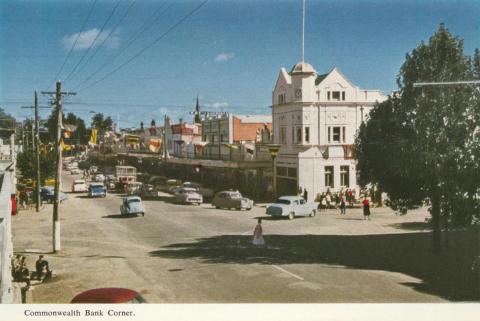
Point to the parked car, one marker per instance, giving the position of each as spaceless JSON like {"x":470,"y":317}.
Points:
{"x":291,"y":206}
{"x":232,"y":199}
{"x":79,"y":185}
{"x":148,"y":191}
{"x":99,"y":177}
{"x":132,"y":205}
{"x":188,"y":195}
{"x":207,"y":193}
{"x":110,"y":182}
{"x":133,"y":188}
{"x":74,"y":171}
{"x":108,"y":295}
{"x":47,"y":193}
{"x":97,"y":190}
{"x":171,"y":185}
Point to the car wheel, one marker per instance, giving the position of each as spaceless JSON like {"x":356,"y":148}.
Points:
{"x":217,"y":207}
{"x":312,"y":214}
{"x":143,"y":213}
{"x":249,"y":209}
{"x":291,"y":216}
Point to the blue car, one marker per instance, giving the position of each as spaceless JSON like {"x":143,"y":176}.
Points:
{"x":132,"y":205}
{"x":47,"y":194}
{"x":97,"y":190}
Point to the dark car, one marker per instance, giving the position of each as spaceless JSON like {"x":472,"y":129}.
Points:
{"x":109,"y":295}
{"x":47,"y":194}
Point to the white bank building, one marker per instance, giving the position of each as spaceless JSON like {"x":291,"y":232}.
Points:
{"x":315,"y":119}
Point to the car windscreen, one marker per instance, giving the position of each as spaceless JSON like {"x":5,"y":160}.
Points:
{"x":282,"y":201}
{"x":135,"y":200}
{"x":235,"y":195}
{"x":97,"y":188}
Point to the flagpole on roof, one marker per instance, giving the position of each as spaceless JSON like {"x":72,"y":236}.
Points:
{"x":303,"y":30}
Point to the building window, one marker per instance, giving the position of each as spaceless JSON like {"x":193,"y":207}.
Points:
{"x":292,"y":172}
{"x":293,"y":135}
{"x":307,"y":135}
{"x":299,"y":135}
{"x":221,"y":137}
{"x":213,"y":139}
{"x":335,"y":95}
{"x":281,"y":171}
{"x":281,"y":99}
{"x":345,"y":176}
{"x":204,"y":138}
{"x":283,"y":135}
{"x":328,"y":95}
{"x":336,"y":134}
{"x":343,"y":95}
{"x":329,"y":176}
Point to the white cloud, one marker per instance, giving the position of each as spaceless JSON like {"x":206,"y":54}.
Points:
{"x":86,"y":39}
{"x":163,"y":111}
{"x":217,"y":105}
{"x":224,"y":56}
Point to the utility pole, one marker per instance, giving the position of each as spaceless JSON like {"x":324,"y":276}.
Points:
{"x":165,"y":138}
{"x":37,"y":147}
{"x":58,"y":174}
{"x":33,"y":137}
{"x":37,"y":152}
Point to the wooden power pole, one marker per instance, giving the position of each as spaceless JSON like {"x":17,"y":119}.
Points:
{"x":58,"y":173}
{"x":36,"y":150}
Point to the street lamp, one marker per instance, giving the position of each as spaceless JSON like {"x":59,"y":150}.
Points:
{"x":273,"y":149}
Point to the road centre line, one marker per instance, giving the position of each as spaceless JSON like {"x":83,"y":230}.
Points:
{"x":290,"y":273}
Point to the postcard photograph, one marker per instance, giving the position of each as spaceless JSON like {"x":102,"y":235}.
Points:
{"x":239,"y":152}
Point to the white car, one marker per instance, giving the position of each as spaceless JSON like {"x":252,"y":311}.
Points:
{"x":99,"y":178}
{"x":79,"y":186}
{"x":291,"y":206}
{"x":133,"y":188}
{"x":74,"y":171}
{"x":188,"y":195}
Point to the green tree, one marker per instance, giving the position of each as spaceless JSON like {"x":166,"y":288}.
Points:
{"x":102,"y":124}
{"x":26,"y":164}
{"x":7,"y":124}
{"x":422,"y":144}
{"x":80,"y":135}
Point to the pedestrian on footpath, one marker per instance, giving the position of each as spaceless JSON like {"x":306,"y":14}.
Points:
{"x":305,"y":195}
{"x":366,"y":209}
{"x":258,"y":234}
{"x":343,"y":205}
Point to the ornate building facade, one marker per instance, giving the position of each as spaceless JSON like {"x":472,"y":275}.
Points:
{"x":315,"y":119}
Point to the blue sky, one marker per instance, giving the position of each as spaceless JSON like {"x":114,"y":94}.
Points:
{"x":228,"y":52}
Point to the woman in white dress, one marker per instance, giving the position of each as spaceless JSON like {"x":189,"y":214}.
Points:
{"x":258,"y":234}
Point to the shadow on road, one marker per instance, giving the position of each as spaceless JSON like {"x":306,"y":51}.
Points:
{"x":448,"y":274}
{"x":83,"y":196}
{"x":413,"y":226}
{"x":278,"y":218}
{"x":120,"y":216}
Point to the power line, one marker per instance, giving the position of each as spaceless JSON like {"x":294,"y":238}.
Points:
{"x":94,"y":41}
{"x":108,"y":36}
{"x":145,"y":26}
{"x":73,"y":45}
{"x":148,"y":46}
{"x":447,"y":83}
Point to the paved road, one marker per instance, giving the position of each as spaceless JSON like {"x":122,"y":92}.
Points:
{"x":197,"y":254}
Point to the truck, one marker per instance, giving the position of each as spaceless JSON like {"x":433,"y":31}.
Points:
{"x":125,"y":175}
